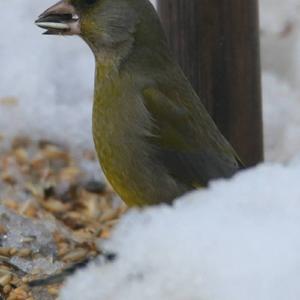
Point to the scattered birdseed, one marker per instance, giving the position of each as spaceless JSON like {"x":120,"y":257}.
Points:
{"x":51,"y":216}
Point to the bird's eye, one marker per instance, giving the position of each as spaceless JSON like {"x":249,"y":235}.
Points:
{"x":90,"y":2}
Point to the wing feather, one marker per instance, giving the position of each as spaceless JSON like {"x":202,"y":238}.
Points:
{"x":187,"y":142}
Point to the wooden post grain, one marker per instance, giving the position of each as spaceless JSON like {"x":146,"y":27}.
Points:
{"x":217,"y":45}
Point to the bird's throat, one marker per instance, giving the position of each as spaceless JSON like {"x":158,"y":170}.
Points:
{"x":109,"y":59}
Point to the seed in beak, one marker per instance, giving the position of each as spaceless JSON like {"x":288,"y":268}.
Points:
{"x":52,"y":25}
{"x":75,"y":17}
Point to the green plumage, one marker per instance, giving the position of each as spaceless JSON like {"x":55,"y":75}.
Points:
{"x":153,"y":136}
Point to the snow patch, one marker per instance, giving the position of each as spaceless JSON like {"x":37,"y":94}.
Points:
{"x":239,"y":240}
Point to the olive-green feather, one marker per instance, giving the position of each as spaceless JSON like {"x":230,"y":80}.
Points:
{"x":189,"y":152}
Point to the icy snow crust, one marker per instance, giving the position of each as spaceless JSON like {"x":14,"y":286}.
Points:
{"x":239,"y":240}
{"x":20,"y":228}
{"x":36,"y":235}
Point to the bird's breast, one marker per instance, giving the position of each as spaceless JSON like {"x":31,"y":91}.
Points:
{"x":120,"y":124}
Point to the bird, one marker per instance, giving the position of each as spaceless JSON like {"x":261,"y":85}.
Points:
{"x":153,"y":136}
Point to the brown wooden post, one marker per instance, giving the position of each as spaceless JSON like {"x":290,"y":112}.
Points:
{"x":217,"y":45}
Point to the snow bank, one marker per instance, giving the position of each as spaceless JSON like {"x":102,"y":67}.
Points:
{"x":239,"y":240}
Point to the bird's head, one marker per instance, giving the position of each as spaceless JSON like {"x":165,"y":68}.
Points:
{"x":101,"y":23}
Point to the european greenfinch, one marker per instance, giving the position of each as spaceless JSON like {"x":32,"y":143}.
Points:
{"x":154,"y":138}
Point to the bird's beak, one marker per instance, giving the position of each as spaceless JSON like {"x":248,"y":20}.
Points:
{"x":60,"y":18}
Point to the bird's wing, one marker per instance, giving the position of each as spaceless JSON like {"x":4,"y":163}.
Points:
{"x":187,"y":143}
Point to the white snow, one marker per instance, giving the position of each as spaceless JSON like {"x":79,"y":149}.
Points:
{"x":281,"y":119}
{"x":50,"y":77}
{"x":239,"y":240}
{"x":276,"y":14}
